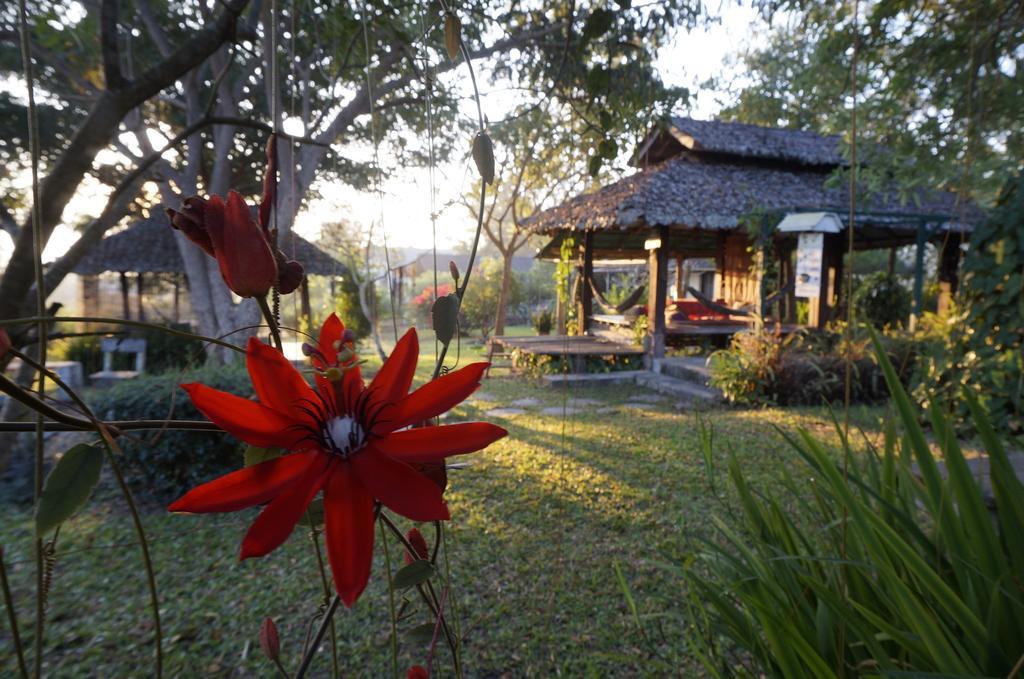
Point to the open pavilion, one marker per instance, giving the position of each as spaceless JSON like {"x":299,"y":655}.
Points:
{"x":718,"y":191}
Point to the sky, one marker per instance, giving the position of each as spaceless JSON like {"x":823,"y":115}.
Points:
{"x":403,"y":204}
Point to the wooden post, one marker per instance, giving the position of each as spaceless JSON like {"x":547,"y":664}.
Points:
{"x":586,"y":292}
{"x":949,"y":263}
{"x":91,"y":295}
{"x":139,"y":284}
{"x":922,"y":240}
{"x":680,"y":290}
{"x":657,"y":284}
{"x":892,"y":260}
{"x":304,"y":299}
{"x":177,"y":298}
{"x":126,"y":310}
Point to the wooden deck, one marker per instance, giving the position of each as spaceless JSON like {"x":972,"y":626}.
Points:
{"x":567,"y":345}
{"x":695,"y":332}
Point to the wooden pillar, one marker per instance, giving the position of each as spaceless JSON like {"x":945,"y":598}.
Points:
{"x":892,"y":260}
{"x":586,"y":292}
{"x":90,"y":295}
{"x":680,"y":290}
{"x":657,"y":288}
{"x":177,"y":298}
{"x":304,"y":299}
{"x":126,"y":310}
{"x":720,"y":268}
{"x":823,"y":305}
{"x":922,"y":240}
{"x":139,"y":286}
{"x":560,"y":311}
{"x":949,"y":263}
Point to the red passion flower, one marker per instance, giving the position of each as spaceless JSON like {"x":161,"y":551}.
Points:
{"x":356,"y":443}
{"x":242,"y":246}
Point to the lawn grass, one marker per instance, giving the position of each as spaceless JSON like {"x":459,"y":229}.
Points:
{"x":539,"y":521}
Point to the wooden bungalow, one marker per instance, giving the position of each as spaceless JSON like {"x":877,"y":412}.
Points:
{"x":148,"y":246}
{"x":704,"y":187}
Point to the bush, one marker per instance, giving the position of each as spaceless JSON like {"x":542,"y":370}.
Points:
{"x":163,"y":465}
{"x":542,"y":321}
{"x":163,"y":351}
{"x":881,"y":301}
{"x":888,"y":569}
{"x":761,"y":367}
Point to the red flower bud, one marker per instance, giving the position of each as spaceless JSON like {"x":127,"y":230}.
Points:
{"x":270,"y":642}
{"x":415,"y":538}
{"x":417,"y":672}
{"x":454,"y":270}
{"x":5,"y":342}
{"x":229,"y":233}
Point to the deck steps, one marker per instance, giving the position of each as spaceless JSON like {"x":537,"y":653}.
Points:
{"x":678,"y":388}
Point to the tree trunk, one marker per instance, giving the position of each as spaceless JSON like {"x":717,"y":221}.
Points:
{"x":506,"y":287}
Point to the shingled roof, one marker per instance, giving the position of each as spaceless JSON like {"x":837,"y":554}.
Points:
{"x":755,"y":141}
{"x":720,"y":175}
{"x":148,"y":246}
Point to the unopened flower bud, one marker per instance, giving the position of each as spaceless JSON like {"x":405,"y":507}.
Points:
{"x":417,"y":672}
{"x":270,"y":642}
{"x":454,"y":270}
{"x":415,"y":538}
{"x":333,"y":374}
{"x":5,"y":342}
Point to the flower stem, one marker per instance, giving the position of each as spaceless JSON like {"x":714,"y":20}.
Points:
{"x":271,"y":319}
{"x":391,"y":602}
{"x":12,"y":618}
{"x":318,"y":637}
{"x":327,"y":592}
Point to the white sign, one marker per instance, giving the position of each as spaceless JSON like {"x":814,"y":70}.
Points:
{"x":810,"y":247}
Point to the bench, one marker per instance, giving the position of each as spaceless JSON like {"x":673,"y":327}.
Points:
{"x":114,"y":345}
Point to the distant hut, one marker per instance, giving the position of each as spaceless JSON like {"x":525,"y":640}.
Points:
{"x":704,"y":186}
{"x":148,"y":246}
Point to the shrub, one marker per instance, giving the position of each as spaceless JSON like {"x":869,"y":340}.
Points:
{"x":888,"y":570}
{"x":761,"y":367}
{"x":163,"y":351}
{"x":542,"y":321}
{"x":162,"y":465}
{"x":881,"y":301}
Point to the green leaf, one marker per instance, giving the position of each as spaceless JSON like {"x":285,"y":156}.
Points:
{"x":598,"y":23}
{"x":314,"y":515}
{"x":594,"y":167}
{"x":413,"y":574}
{"x":421,"y":634}
{"x":68,"y":486}
{"x":608,"y":149}
{"x":256,"y":455}
{"x":598,"y":80}
{"x":483,"y":156}
{"x":606,"y":120}
{"x":445,"y":315}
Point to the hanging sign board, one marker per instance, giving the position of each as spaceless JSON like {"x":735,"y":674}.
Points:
{"x":809,"y":249}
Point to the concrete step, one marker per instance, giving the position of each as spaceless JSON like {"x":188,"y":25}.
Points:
{"x":691,"y":368}
{"x":594,"y":379}
{"x":672,"y":386}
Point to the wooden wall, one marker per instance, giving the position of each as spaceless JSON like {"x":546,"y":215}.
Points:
{"x":739,"y":286}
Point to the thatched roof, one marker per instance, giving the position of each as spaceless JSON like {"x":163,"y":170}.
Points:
{"x":741,"y":141}
{"x":730,"y":171}
{"x":149,"y":246}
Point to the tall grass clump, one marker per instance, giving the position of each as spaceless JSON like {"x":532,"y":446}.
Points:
{"x":870,"y":565}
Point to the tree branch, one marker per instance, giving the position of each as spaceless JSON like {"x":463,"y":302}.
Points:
{"x":112,"y":75}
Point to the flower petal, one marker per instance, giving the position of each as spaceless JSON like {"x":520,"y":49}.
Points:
{"x":276,"y":521}
{"x":248,"y":420}
{"x":276,"y":381}
{"x":392,"y":381}
{"x":244,"y":488}
{"x":433,"y":444}
{"x":399,"y":486}
{"x":433,"y":398}
{"x":330,"y":332}
{"x":348,"y":530}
